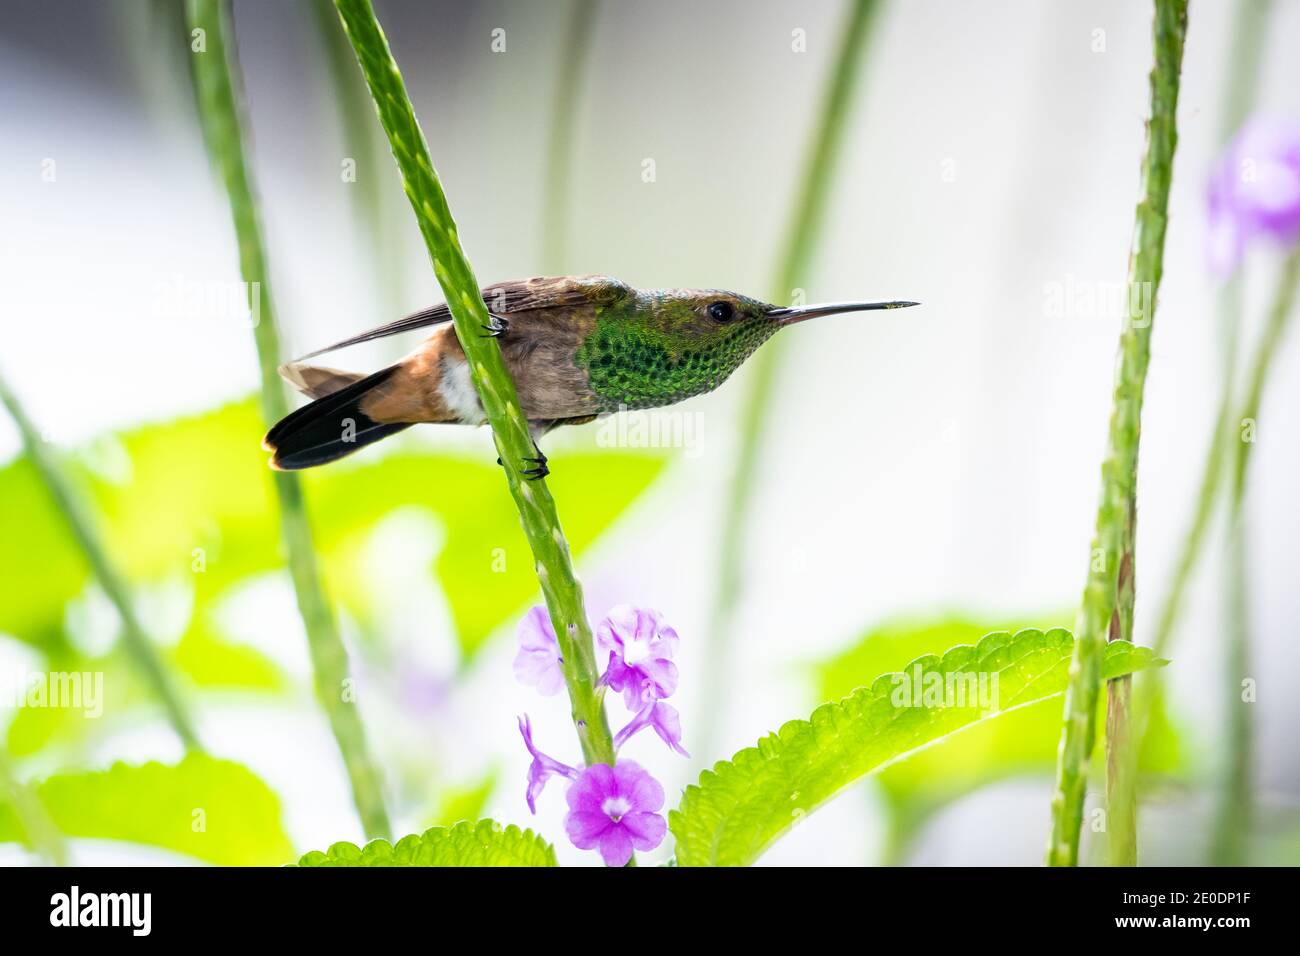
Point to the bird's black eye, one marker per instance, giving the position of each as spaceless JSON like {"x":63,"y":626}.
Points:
{"x":721,"y":312}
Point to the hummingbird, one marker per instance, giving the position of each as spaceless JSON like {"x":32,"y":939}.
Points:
{"x":578,"y":347}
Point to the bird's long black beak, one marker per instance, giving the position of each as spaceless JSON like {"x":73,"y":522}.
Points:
{"x":793,"y":314}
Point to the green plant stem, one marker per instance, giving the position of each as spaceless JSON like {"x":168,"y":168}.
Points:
{"x":1121,"y":749}
{"x":1235,"y":810}
{"x":496,"y":390}
{"x":1112,"y":545}
{"x":216,"y":73}
{"x":1242,"y":80}
{"x":38,"y":829}
{"x":1121,"y":774}
{"x":1229,"y":309}
{"x":1250,"y":24}
{"x":140,"y":649}
{"x":352,"y":104}
{"x":800,"y":244}
{"x":574,"y":54}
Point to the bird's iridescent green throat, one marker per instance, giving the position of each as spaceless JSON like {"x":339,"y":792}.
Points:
{"x":656,"y":348}
{"x":651,"y":348}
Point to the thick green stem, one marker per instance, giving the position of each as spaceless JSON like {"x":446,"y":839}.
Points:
{"x":1113,"y":539}
{"x":496,"y":389}
{"x":1235,"y":811}
{"x":138,"y":646}
{"x":574,"y":53}
{"x":1121,"y":774}
{"x":216,"y":73}
{"x":1121,"y":750}
{"x":800,"y":244}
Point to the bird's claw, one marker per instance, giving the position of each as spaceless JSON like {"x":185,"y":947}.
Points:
{"x":496,"y":328}
{"x":541,"y":469}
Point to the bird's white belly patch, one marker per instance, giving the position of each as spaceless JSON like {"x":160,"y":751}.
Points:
{"x":458,"y":393}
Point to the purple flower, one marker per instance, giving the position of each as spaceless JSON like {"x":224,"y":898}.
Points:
{"x":538,"y":663}
{"x":542,"y":767}
{"x":663,"y":718}
{"x":614,"y":809}
{"x":640,"y":646}
{"x":1254,"y":191}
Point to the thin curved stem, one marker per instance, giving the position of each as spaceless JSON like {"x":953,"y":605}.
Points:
{"x":220,"y":98}
{"x":1235,"y":811}
{"x":139,"y":648}
{"x":574,"y":53}
{"x":800,"y":245}
{"x":39,"y":831}
{"x":1242,"y":80}
{"x":367,"y":189}
{"x":1250,"y":25}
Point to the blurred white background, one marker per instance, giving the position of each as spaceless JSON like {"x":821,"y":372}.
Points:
{"x":942,"y":457}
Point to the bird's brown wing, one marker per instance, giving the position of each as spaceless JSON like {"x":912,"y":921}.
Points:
{"x":548,"y":292}
{"x":416,"y":320}
{"x":524,"y":295}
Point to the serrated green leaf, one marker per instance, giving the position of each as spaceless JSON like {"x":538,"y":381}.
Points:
{"x":1021,"y":742}
{"x":741,"y":806}
{"x":212,"y":809}
{"x":891,"y":645}
{"x":484,"y":843}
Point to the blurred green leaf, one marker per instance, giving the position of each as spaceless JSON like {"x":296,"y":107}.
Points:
{"x":208,"y":808}
{"x":458,"y":804}
{"x":40,"y":565}
{"x":206,"y":659}
{"x":485,"y":567}
{"x":485,"y":843}
{"x":741,"y":806}
{"x":33,"y":728}
{"x":193,"y":497}
{"x":212,"y":663}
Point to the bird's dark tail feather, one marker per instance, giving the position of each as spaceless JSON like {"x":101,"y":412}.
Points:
{"x":328,"y":428}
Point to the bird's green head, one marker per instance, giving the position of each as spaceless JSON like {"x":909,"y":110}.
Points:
{"x":657,"y":347}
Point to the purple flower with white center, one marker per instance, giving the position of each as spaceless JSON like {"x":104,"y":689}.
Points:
{"x":615,"y":810}
{"x":663,"y":718}
{"x":538,"y":663}
{"x":640,"y":649}
{"x":612,"y":809}
{"x":542,"y":767}
{"x":1254,"y":191}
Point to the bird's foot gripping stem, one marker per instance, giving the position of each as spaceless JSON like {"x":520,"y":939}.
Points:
{"x":539,"y":470}
{"x":496,"y":327}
